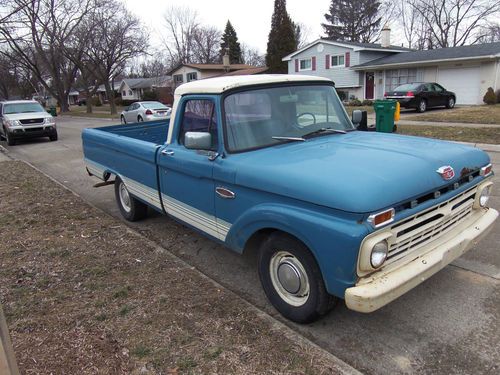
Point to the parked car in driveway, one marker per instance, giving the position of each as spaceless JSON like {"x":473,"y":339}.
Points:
{"x":25,"y":119}
{"x":145,"y":111}
{"x":422,"y":96}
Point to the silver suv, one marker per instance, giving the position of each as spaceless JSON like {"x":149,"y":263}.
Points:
{"x":25,"y":119}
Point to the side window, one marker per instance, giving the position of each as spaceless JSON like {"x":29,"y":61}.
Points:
{"x":199,"y":116}
{"x":438,"y":88}
{"x":428,"y":87}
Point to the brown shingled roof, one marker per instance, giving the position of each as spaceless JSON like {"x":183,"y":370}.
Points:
{"x":246,"y":72}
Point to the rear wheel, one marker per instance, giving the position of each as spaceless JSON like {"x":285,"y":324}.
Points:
{"x":131,"y":208}
{"x":450,"y":103}
{"x":292,"y":279}
{"x":422,"y":106}
{"x":140,"y":119}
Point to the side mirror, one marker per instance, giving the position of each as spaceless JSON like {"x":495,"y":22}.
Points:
{"x":357,"y":117}
{"x":198,"y":140}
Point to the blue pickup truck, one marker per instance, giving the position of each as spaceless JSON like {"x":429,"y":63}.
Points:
{"x":274,"y":164}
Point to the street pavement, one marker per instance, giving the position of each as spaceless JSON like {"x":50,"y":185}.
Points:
{"x":448,"y":324}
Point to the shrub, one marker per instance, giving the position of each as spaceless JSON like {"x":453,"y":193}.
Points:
{"x":119,"y":101}
{"x":95,"y":101}
{"x":127,"y":102}
{"x":150,"y":95}
{"x":490,"y":97}
{"x":355,"y":102}
{"x":368,"y":102}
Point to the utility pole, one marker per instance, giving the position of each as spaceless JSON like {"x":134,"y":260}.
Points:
{"x":8,"y":365}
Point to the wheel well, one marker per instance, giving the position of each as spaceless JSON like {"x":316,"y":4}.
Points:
{"x":253,"y":243}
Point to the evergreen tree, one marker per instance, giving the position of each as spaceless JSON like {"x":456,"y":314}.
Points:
{"x":353,"y":20}
{"x":281,"y":40}
{"x":231,"y":45}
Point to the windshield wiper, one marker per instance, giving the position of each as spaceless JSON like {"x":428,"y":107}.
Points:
{"x":324,"y":130}
{"x":289,"y":138}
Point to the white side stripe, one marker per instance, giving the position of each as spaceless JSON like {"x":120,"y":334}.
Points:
{"x":143,"y":192}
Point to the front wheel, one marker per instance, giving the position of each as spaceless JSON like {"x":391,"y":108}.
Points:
{"x":53,"y":137}
{"x":122,"y":120}
{"x":292,"y":279}
{"x":450,"y":103}
{"x":422,"y":106}
{"x":10,"y":141}
{"x":131,"y":208}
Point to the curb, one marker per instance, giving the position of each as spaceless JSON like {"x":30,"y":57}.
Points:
{"x":276,"y":325}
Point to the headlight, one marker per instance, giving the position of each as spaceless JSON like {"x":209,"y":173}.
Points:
{"x":12,"y":123}
{"x":379,"y":254}
{"x":485,"y":196}
{"x":50,"y":121}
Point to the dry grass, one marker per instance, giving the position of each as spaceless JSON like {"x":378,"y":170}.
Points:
{"x":481,"y":114}
{"x":103,"y":111}
{"x":85,"y":295}
{"x":349,"y":109}
{"x":474,"y":135}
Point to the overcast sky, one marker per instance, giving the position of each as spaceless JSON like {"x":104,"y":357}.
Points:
{"x":250,"y":18}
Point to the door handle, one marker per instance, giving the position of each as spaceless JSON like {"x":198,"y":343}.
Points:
{"x":167,"y":152}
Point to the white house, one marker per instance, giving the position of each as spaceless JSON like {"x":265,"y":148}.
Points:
{"x":134,"y":88}
{"x":367,"y":70}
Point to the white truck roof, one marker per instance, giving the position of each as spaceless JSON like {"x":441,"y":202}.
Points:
{"x":220,"y":84}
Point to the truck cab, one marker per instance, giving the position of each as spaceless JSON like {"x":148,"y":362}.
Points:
{"x":273,"y":164}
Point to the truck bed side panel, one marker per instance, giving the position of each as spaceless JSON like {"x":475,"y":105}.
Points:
{"x":132,"y":159}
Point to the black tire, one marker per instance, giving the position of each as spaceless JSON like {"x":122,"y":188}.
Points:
{"x":122,"y":120}
{"x":136,"y":210}
{"x":53,"y":137}
{"x":422,"y":106}
{"x":8,"y":138}
{"x":140,"y":119}
{"x":450,"y":103}
{"x":308,"y":306}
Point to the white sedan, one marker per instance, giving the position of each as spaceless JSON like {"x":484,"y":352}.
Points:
{"x":145,"y":111}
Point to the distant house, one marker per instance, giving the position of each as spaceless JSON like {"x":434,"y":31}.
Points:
{"x":134,"y":88}
{"x":367,"y":70}
{"x":191,"y":72}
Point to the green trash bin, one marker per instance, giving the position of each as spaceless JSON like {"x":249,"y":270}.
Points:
{"x":384,"y":114}
{"x":53,"y":111}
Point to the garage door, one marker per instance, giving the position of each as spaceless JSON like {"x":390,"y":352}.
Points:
{"x":464,"y":82}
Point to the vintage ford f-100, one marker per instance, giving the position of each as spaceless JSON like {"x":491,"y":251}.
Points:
{"x":272,"y":163}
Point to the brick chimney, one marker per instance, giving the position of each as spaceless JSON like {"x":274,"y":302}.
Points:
{"x":385,"y":36}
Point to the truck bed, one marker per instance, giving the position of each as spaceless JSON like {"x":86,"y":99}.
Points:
{"x":129,"y":152}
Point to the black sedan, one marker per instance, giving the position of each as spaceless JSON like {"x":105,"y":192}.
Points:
{"x":422,"y":96}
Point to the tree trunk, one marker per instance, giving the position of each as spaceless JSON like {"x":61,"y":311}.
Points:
{"x":63,"y":102}
{"x":111,"y":97}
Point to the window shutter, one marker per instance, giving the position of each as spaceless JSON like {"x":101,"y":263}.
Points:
{"x":296,"y":65}
{"x":327,"y":62}
{"x":313,"y":62}
{"x":347,"y":59}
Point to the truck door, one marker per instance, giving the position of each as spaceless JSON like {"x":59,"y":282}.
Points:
{"x":186,"y":175}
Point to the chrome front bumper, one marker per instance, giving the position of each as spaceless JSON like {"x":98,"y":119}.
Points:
{"x":377,"y":290}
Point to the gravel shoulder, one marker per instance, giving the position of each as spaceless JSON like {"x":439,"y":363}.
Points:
{"x":85,"y":294}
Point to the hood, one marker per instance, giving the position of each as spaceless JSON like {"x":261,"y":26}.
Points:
{"x":26,"y":116}
{"x":356,"y":172}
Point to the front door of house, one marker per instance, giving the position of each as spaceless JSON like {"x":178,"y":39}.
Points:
{"x":369,"y":85}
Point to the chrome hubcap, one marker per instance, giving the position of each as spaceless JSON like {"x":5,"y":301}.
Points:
{"x":124,"y":197}
{"x":452,"y":102}
{"x":422,"y":106}
{"x":289,"y":278}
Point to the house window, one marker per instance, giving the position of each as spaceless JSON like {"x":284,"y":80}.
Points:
{"x":193,"y":76}
{"x":124,"y":93}
{"x":178,"y":79}
{"x":305,"y":64}
{"x":337,"y":60}
{"x":129,"y":92}
{"x":397,"y":77}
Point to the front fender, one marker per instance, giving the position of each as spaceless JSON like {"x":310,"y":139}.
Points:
{"x":333,"y":240}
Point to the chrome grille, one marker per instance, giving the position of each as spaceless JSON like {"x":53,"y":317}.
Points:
{"x":412,"y":233}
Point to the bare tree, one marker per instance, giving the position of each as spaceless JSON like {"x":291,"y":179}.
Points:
{"x":37,"y":31}
{"x":452,"y":23}
{"x":491,"y":33}
{"x":180,"y":24}
{"x":206,"y":45}
{"x":116,"y":37}
{"x":251,"y":56}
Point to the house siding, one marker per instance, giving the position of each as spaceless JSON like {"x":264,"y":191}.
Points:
{"x":343,"y":77}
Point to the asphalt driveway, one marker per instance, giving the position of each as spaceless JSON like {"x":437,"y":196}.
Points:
{"x":449,"y":324}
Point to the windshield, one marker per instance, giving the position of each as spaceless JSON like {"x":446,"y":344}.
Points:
{"x":408,"y":87}
{"x":22,"y":108}
{"x":269,"y":116}
{"x":154,"y":105}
